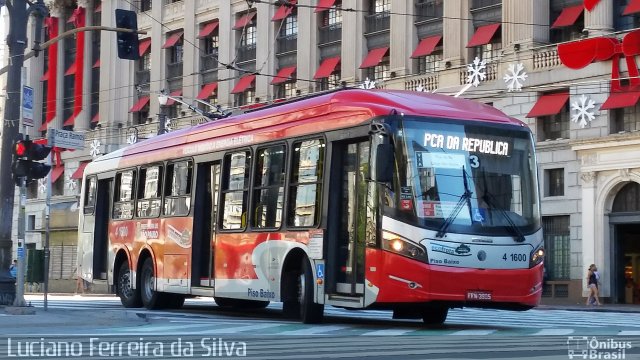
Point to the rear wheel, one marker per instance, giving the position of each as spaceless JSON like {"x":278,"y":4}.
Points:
{"x":151,"y":299}
{"x":129,"y":296}
{"x":435,"y":315}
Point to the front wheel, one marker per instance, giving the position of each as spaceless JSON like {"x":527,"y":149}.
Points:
{"x":435,"y":315}
{"x":310,"y":312}
{"x":129,"y":297}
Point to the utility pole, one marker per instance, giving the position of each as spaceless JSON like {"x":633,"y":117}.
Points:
{"x":19,"y":11}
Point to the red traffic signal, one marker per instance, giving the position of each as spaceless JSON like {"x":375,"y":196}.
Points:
{"x":31,"y":151}
{"x":20,"y":148}
{"x":25,"y":162}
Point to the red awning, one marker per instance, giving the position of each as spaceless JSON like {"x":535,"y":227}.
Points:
{"x":568,"y":16}
{"x":284,"y":11}
{"x":170,"y":101}
{"x":327,"y":67}
{"x":426,"y":46}
{"x":144,"y":46}
{"x":244,"y":20}
{"x":96,"y":64}
{"x":69,"y":121}
{"x":207,"y":90}
{"x":621,"y":100}
{"x":283,"y":75}
{"x":142,"y":102}
{"x":172,"y":39}
{"x":549,"y":104}
{"x":483,"y":35}
{"x":71,"y":70}
{"x":56,"y":172}
{"x":243,"y":84}
{"x":208,"y":29}
{"x":632,"y":8}
{"x":98,"y":7}
{"x":96,"y":118}
{"x":374,"y":57}
{"x":80,"y":171}
{"x":324,"y":5}
{"x":45,"y":77}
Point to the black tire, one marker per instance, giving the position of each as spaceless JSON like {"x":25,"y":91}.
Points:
{"x":435,"y":315}
{"x":310,"y":312}
{"x":129,"y":297}
{"x":151,"y":299}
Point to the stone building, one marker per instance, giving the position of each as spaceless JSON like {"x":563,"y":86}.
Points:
{"x":231,"y":54}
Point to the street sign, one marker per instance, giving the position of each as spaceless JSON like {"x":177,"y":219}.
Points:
{"x":21,"y":253}
{"x":27,"y":106}
{"x":67,"y":139}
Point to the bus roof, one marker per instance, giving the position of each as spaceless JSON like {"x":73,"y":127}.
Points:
{"x":333,"y":110}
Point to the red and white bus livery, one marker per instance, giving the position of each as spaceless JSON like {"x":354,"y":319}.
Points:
{"x":382,"y":199}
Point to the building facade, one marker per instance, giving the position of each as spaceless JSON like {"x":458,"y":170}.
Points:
{"x":584,"y":118}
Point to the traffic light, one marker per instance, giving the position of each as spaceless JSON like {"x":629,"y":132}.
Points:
{"x":128,"y":47}
{"x":26,"y":155}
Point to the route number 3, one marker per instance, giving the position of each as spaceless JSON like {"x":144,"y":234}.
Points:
{"x":474,"y":161}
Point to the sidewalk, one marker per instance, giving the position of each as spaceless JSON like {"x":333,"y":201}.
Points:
{"x":624,"y":308}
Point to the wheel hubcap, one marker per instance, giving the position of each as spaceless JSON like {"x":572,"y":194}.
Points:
{"x":125,"y":284}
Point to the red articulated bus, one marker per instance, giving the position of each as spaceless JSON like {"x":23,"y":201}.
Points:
{"x":363,"y":199}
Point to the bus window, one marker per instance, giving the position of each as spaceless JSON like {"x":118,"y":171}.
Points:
{"x":149,"y":192}
{"x":235,"y":190}
{"x":177,"y":201}
{"x":306,"y":183}
{"x":268,"y":191}
{"x":123,"y":204}
{"x":90,"y":195}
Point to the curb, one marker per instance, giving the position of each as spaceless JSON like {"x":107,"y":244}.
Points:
{"x":584,"y":308}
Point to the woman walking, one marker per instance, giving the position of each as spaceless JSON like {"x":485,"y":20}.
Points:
{"x":592,"y":284}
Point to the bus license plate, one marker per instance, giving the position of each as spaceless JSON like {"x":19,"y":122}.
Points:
{"x":476,"y":295}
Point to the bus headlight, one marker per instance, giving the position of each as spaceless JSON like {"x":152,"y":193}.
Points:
{"x":399,"y":245}
{"x":537,"y":256}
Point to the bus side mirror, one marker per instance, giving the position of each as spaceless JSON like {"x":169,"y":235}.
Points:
{"x":384,"y":163}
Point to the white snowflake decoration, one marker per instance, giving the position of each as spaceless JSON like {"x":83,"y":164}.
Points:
{"x":515,"y":77}
{"x":167,"y":124}
{"x":421,"y":88}
{"x":71,"y":184}
{"x":477,"y":72}
{"x":132,"y":138}
{"x":42,"y":185}
{"x":95,"y":148}
{"x":368,"y":84}
{"x":582,"y":106}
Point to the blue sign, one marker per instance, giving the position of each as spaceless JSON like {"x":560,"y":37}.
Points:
{"x":27,"y":106}
{"x":20,"y":253}
{"x":320,"y":271}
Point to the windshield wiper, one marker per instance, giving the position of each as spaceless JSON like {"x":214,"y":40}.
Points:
{"x":464,"y":198}
{"x":489,"y":199}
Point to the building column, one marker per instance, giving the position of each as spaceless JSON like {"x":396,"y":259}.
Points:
{"x":307,"y":61}
{"x":226,"y":52}
{"x":401,"y":38}
{"x":353,"y":45}
{"x":524,"y":22}
{"x":265,"y":51}
{"x":591,"y":253}
{"x":456,"y":31}
{"x":158,"y":58}
{"x":599,"y":21}
{"x":191,"y":69}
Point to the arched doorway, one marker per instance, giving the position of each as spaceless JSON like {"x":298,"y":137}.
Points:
{"x":625,"y":226}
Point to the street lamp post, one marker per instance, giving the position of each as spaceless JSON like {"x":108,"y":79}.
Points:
{"x":162,"y":117}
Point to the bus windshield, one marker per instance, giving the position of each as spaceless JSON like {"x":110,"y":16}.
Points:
{"x":467,"y":177}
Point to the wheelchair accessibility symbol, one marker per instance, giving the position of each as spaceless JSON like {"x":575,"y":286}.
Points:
{"x":320,"y":271}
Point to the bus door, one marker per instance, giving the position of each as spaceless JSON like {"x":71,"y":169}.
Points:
{"x":204,"y":224}
{"x":347,"y":225}
{"x":95,"y":241}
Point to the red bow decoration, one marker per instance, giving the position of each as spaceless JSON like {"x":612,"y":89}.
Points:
{"x":578,"y":54}
{"x":590,"y":4}
{"x":57,"y":157}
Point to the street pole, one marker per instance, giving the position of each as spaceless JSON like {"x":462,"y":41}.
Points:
{"x":47,"y":214}
{"x":19,"y":12}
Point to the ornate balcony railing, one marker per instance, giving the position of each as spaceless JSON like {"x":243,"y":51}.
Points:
{"x":377,"y":22}
{"x":330,"y":34}
{"x":208,"y":62}
{"x":143,"y":77}
{"x":491,"y":72}
{"x":287,"y":44}
{"x":174,"y":70}
{"x":247,"y":53}
{"x":426,"y":83}
{"x":546,"y":57}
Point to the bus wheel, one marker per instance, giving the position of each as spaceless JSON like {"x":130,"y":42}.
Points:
{"x":129,"y":296}
{"x":435,"y":315}
{"x":151,"y":299}
{"x":310,"y":312}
